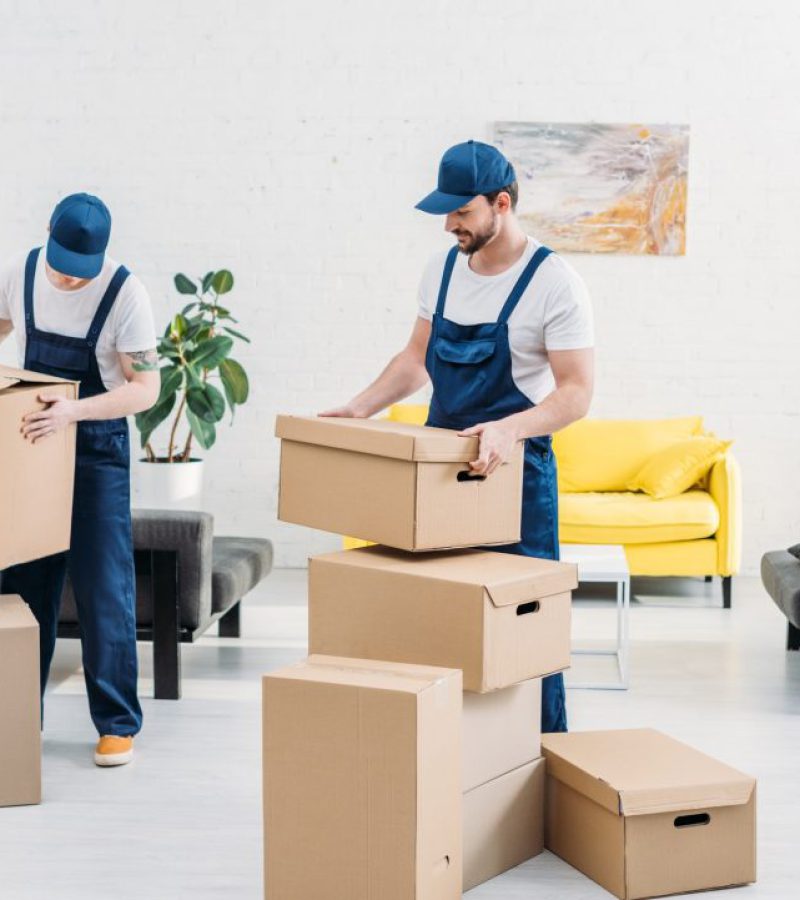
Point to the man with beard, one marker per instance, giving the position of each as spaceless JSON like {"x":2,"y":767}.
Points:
{"x":504,"y":332}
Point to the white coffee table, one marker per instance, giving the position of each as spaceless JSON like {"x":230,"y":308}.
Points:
{"x":607,"y":564}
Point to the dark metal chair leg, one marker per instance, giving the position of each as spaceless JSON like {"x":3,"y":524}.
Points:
{"x":793,"y":637}
{"x":726,"y":591}
{"x":230,"y":625}
{"x":166,"y":644}
{"x":709,"y":579}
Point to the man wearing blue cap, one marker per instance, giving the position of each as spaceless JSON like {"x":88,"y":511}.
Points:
{"x":79,"y":315}
{"x":505,"y":335}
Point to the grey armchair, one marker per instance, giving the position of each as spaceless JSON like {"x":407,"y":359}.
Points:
{"x":780,"y":573}
{"x":186,"y":579}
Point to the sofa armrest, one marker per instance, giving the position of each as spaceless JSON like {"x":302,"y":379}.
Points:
{"x":725,"y":487}
{"x":191,"y":535}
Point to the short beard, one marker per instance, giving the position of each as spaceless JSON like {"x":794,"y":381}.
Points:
{"x":481,"y":239}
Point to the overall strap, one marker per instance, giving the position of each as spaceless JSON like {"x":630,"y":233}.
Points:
{"x":30,"y":275}
{"x":105,"y":305}
{"x":449,"y":263}
{"x":522,"y":282}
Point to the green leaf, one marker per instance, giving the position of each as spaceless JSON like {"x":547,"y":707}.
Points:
{"x":185,"y":285}
{"x":205,"y":432}
{"x":179,"y":326}
{"x":222,"y":281}
{"x":211,"y":353}
{"x":171,"y":380}
{"x":234,"y":381}
{"x":189,"y":307}
{"x":207,"y":281}
{"x":148,"y":421}
{"x":206,"y":402}
{"x":236,"y":333}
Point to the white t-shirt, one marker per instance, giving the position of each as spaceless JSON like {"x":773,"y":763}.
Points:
{"x":554,"y":312}
{"x":129,"y":327}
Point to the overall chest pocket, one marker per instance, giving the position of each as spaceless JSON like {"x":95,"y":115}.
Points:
{"x":465,"y":353}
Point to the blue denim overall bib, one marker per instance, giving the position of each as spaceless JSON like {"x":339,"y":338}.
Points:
{"x":100,"y":557}
{"x":470,"y":369}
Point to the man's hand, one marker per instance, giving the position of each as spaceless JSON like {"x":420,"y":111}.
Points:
{"x":60,"y":413}
{"x":349,"y":411}
{"x":497,"y":442}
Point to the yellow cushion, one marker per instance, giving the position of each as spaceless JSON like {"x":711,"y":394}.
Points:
{"x":409,"y":413}
{"x":626,"y":518}
{"x":678,"y":467}
{"x":604,"y":455}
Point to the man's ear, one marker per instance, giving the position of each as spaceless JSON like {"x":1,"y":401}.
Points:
{"x":503,"y":202}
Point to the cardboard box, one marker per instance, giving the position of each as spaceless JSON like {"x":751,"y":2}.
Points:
{"x":645,"y":815}
{"x":36,"y":480}
{"x":362,"y":781}
{"x":500,"y":617}
{"x":502,"y":731}
{"x":503,"y":823}
{"x":20,"y":710}
{"x":401,"y":485}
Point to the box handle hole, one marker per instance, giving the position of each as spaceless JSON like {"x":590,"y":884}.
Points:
{"x":524,"y":608}
{"x":692,"y":820}
{"x":469,"y":476}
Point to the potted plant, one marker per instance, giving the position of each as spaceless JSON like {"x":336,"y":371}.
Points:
{"x":199,"y":383}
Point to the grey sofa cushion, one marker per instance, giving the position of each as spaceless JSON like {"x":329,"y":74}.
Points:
{"x":239,"y":565}
{"x":780,"y":572}
{"x":188,"y":532}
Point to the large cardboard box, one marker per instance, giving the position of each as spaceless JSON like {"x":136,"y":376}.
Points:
{"x":402,"y":485}
{"x":20,"y":711}
{"x":36,"y":480}
{"x":645,"y":815}
{"x":503,"y":823}
{"x":500,"y":617}
{"x":362,"y":781}
{"x":501,"y":731}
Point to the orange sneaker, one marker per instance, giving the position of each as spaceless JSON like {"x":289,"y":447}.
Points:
{"x":112,"y":750}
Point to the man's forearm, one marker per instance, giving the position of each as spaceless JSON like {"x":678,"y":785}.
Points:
{"x":125,"y":400}
{"x":565,"y":405}
{"x":402,"y":377}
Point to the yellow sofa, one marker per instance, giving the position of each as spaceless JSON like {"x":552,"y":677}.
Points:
{"x":697,"y":533}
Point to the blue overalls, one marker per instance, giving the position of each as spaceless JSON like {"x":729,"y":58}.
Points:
{"x":470,"y":369}
{"x":100,"y":557}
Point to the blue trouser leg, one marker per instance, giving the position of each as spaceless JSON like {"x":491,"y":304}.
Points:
{"x":40,"y":584}
{"x":102,"y":574}
{"x":540,"y":538}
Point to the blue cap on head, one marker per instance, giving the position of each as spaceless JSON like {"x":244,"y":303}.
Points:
{"x":466,"y":171}
{"x":79,"y":231}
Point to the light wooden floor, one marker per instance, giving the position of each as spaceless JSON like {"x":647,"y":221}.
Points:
{"x":184,"y":820}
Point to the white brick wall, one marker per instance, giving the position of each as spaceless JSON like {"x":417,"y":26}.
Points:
{"x":288,"y":141}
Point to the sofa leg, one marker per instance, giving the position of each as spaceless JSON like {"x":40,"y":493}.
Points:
{"x":166,"y":642}
{"x":726,"y":591}
{"x":793,"y":637}
{"x":709,"y":579}
{"x":230,"y":625}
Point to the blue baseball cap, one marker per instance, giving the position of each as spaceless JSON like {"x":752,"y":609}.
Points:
{"x":79,"y":231}
{"x":466,"y":171}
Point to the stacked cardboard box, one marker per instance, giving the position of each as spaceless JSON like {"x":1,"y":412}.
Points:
{"x":36,"y":484}
{"x":502,"y":619}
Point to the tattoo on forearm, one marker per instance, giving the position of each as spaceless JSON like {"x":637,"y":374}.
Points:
{"x":144,"y":360}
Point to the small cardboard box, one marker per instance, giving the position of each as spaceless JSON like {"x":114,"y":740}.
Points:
{"x":36,"y":480}
{"x":20,"y":710}
{"x":406,"y":486}
{"x":362,"y":781}
{"x":503,"y":823}
{"x":500,"y":617}
{"x":645,"y":815}
{"x":502,"y":731}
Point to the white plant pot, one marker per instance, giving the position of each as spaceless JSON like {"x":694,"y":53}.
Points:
{"x":161,"y":485}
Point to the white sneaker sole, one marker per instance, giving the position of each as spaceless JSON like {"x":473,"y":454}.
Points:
{"x":113,"y":759}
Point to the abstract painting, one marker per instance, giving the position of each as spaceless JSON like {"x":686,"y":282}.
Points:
{"x":601,"y":188}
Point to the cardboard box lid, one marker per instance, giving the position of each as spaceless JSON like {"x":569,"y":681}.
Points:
{"x":642,"y":771}
{"x":10,"y":377}
{"x":369,"y":673}
{"x":507,"y":578}
{"x":15,"y":614}
{"x":379,"y":437}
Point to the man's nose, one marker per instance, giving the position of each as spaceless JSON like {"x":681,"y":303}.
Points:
{"x":449,"y":222}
